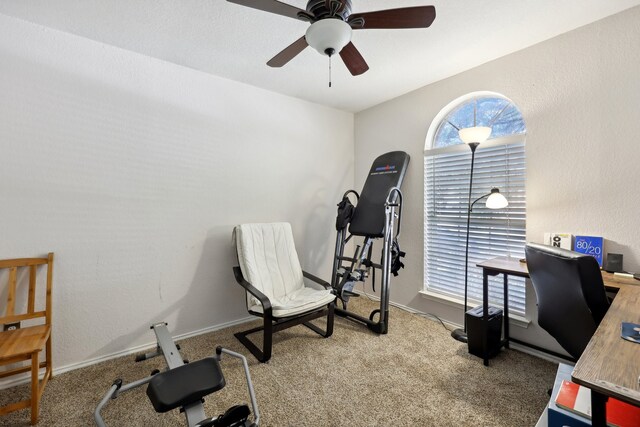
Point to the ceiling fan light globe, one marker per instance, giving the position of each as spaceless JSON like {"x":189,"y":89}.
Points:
{"x":328,"y":34}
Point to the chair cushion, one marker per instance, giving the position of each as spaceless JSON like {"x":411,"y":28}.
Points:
{"x":268,"y":260}
{"x":305,"y":300}
{"x":185,"y":384}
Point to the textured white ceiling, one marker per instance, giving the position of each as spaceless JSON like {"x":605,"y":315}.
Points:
{"x":235,"y":42}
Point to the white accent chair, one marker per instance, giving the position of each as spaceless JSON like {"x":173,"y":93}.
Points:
{"x":270,"y":272}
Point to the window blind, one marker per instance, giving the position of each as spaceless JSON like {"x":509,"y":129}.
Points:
{"x":492,"y":232}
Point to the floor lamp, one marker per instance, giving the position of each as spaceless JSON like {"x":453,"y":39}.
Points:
{"x":473,"y":137}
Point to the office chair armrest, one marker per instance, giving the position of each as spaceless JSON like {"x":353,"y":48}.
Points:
{"x":316,"y":279}
{"x":264,"y":300}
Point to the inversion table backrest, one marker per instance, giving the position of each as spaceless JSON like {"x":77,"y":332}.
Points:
{"x":387,"y":171}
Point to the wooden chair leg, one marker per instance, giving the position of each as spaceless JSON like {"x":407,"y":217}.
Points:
{"x":49,"y":359}
{"x":35,"y":392}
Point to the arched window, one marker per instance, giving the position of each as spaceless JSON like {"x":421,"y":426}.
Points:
{"x":499,"y":162}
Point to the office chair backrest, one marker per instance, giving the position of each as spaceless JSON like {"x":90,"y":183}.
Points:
{"x":570,"y":292}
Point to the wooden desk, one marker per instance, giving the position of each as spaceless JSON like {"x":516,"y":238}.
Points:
{"x":506,"y":266}
{"x":613,"y":282}
{"x":610,"y":366}
{"x":509,"y":266}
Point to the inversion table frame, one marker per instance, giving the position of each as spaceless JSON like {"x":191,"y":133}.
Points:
{"x":377,"y":215}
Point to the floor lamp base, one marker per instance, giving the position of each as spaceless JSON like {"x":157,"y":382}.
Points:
{"x":459,"y":335}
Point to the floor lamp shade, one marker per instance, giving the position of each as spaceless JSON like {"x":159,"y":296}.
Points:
{"x":474,"y":134}
{"x":496,"y":200}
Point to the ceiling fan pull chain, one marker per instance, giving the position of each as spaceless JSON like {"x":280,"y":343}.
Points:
{"x":330,"y":70}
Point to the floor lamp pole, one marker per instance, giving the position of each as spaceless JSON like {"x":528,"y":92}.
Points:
{"x":461,"y":334}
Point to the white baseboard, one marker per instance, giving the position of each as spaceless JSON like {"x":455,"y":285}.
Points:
{"x":512,"y":345}
{"x":409,"y":309}
{"x":25,"y":378}
{"x":537,"y":353}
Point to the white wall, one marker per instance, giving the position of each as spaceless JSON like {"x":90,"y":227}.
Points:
{"x":134,"y":171}
{"x":579,"y":94}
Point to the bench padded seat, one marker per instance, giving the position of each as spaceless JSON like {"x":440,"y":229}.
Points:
{"x":185,"y":384}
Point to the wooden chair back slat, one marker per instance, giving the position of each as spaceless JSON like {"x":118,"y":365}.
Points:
{"x":11,"y":294}
{"x":32,"y":289}
{"x":20,"y":317}
{"x":22,"y":262}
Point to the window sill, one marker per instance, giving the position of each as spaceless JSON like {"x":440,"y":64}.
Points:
{"x":514,"y":319}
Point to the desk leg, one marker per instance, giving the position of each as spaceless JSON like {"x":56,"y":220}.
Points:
{"x":485,"y":315}
{"x":598,"y":409}
{"x":506,"y":310}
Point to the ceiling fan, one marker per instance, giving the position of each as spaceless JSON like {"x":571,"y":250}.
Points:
{"x":332,"y":23}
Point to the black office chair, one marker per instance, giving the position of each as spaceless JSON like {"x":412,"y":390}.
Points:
{"x":570,"y":292}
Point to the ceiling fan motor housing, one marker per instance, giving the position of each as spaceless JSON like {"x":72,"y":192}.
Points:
{"x":340,"y":9}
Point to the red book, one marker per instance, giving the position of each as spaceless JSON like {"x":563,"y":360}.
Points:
{"x":577,"y":399}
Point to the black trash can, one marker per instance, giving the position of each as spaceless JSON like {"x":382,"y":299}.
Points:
{"x":476,"y":330}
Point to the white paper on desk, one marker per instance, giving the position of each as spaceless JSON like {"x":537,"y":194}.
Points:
{"x":559,"y":240}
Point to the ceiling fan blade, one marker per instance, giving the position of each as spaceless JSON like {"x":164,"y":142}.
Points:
{"x":276,"y":7}
{"x":288,"y":53}
{"x":353,"y":60}
{"x":408,"y":17}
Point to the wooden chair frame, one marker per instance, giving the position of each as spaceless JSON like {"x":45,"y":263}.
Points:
{"x":272,"y":324}
{"x":26,"y":343}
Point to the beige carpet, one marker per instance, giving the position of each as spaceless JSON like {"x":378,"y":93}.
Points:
{"x":416,"y":375}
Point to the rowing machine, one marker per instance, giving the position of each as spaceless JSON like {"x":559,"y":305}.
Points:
{"x":184,"y":385}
